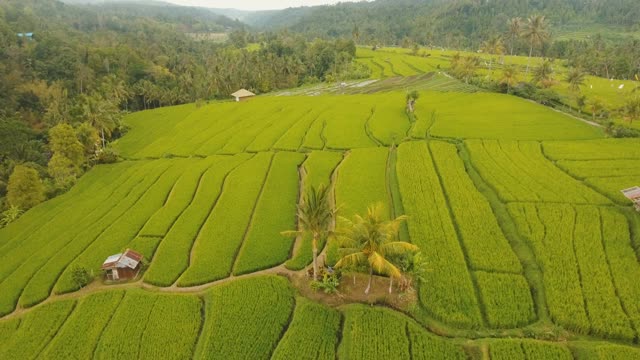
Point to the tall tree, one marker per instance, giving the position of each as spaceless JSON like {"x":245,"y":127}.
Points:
{"x":631,"y":109}
{"x":369,"y":240}
{"x":515,"y":29}
{"x":536,"y":32}
{"x":25,"y":190}
{"x":315,"y":218}
{"x":575,"y":77}
{"x":543,"y":74}
{"x":493,"y":46}
{"x":509,"y":77}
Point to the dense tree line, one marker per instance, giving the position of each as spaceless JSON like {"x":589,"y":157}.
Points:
{"x":450,"y":23}
{"x":64,"y":90}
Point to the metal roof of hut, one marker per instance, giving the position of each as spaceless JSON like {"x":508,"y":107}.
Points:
{"x":129,"y":259}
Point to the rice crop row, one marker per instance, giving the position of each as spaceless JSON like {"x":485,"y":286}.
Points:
{"x":84,"y":206}
{"x":601,"y":149}
{"x":506,"y":298}
{"x":81,"y":332}
{"x":519,"y":172}
{"x":361,"y":181}
{"x":528,"y":350}
{"x":293,"y":138}
{"x":179,"y":198}
{"x":587,"y":261}
{"x":390,"y":123}
{"x":625,"y":270}
{"x":46,"y":213}
{"x":549,"y":230}
{"x":481,"y":235}
{"x":448,"y":292}
{"x":172,"y":257}
{"x":504,"y":117}
{"x":312,"y":334}
{"x":601,"y":168}
{"x":238,"y":326}
{"x":267,"y":139}
{"x":403,"y":339}
{"x":605,"y":312}
{"x":119,"y":233}
{"x":221,"y":236}
{"x":36,"y":330}
{"x":361,"y":339}
{"x":150,"y":326}
{"x":246,"y":135}
{"x":81,"y":226}
{"x":275,"y":212}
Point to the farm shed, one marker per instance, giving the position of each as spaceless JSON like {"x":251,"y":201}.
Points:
{"x":633,"y":194}
{"x":122,"y":266}
{"x":242,"y":95}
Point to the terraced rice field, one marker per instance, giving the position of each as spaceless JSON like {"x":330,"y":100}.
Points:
{"x":530,"y":250}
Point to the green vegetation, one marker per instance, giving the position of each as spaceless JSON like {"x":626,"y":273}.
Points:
{"x":450,"y":294}
{"x":506,"y":166}
{"x":147,"y":326}
{"x":173,"y":254}
{"x":506,"y":298}
{"x":238,"y":326}
{"x":222,"y":234}
{"x":318,"y":168}
{"x":81,"y":332}
{"x":36,"y":330}
{"x":263,"y":246}
{"x":312,"y":334}
{"x":361,"y":181}
{"x":517,"y":242}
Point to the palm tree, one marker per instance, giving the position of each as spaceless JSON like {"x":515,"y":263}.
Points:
{"x":596,"y":106}
{"x":315,"y":218}
{"x":575,"y":78}
{"x":536,"y":33}
{"x":515,"y":29}
{"x":631,"y":109}
{"x":544,"y":74}
{"x":101,"y":114}
{"x":509,"y":77}
{"x":369,"y":240}
{"x":493,"y":46}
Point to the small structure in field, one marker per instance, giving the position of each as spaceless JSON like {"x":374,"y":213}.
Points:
{"x":633,"y":194}
{"x":242,"y":95}
{"x":123,"y":266}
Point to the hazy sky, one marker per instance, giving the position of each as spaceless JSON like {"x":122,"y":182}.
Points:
{"x":254,"y":4}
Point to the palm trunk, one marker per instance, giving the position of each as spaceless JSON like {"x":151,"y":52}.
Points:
{"x":366,"y":291}
{"x":390,"y":284}
{"x":529,"y":60}
{"x":512,"y":41}
{"x":103,"y":141}
{"x":315,"y":257}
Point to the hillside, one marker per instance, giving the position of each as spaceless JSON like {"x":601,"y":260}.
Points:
{"x":532,"y":253}
{"x":449,"y":23}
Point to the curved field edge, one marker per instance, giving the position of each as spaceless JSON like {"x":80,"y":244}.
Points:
{"x":225,"y":323}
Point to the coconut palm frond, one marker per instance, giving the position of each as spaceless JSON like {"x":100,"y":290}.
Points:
{"x":291,"y":233}
{"x":382,"y":266}
{"x":399,"y":248}
{"x":355,"y":259}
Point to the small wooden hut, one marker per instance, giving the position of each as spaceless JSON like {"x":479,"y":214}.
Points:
{"x":124,"y":266}
{"x":633,"y":194}
{"x":242,"y":95}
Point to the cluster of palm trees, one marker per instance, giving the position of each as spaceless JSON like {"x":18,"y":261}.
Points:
{"x":368,"y":241}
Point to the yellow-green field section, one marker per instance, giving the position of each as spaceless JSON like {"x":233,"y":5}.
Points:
{"x":515,"y":207}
